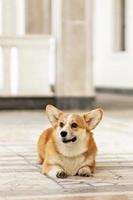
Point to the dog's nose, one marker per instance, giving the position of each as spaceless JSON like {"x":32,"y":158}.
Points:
{"x":63,"y":133}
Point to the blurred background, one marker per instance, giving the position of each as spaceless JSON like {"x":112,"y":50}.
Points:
{"x":72,"y":53}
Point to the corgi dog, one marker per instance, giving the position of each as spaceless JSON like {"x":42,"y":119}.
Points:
{"x":68,"y":147}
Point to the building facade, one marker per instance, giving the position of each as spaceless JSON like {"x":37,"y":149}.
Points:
{"x":64,"y":49}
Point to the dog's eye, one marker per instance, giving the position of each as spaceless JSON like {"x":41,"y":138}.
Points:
{"x":61,"y":124}
{"x":74,"y":125}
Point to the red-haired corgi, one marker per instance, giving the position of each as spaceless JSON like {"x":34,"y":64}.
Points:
{"x":68,"y":147}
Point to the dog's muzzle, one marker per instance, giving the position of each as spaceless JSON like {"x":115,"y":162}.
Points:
{"x":70,"y":140}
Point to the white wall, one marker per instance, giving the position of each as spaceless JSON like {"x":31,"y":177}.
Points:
{"x":112,"y":69}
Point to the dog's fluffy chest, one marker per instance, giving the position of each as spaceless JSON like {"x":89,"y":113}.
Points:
{"x":72,"y":156}
{"x":72,"y":165}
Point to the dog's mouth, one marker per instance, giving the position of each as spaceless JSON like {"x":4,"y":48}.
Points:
{"x":70,"y":140}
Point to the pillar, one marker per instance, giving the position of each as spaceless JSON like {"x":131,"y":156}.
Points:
{"x":38,"y":16}
{"x":8,"y":29}
{"x":72,"y":28}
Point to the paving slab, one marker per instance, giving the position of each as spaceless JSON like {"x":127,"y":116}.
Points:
{"x":20,"y":175}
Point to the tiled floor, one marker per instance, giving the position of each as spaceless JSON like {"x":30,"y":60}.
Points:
{"x":21,"y":178}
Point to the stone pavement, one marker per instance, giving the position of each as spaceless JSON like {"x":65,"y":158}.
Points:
{"x":21,"y":178}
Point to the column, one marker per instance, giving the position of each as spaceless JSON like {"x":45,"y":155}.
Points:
{"x":8,"y":29}
{"x":38,"y":16}
{"x":72,"y":27}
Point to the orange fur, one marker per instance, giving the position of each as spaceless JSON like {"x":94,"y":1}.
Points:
{"x":60,"y":159}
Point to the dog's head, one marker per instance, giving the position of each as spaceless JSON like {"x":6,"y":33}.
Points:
{"x":73,"y":128}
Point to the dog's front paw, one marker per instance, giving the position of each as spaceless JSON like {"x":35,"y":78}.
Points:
{"x":61,"y":174}
{"x":54,"y":172}
{"x":84,"y":171}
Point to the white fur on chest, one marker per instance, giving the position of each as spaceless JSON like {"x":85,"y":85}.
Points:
{"x":71,"y":157}
{"x":72,"y":165}
{"x":73,"y":149}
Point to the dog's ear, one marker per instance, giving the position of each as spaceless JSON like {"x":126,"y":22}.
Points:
{"x":93,"y":118}
{"x":53,"y":114}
